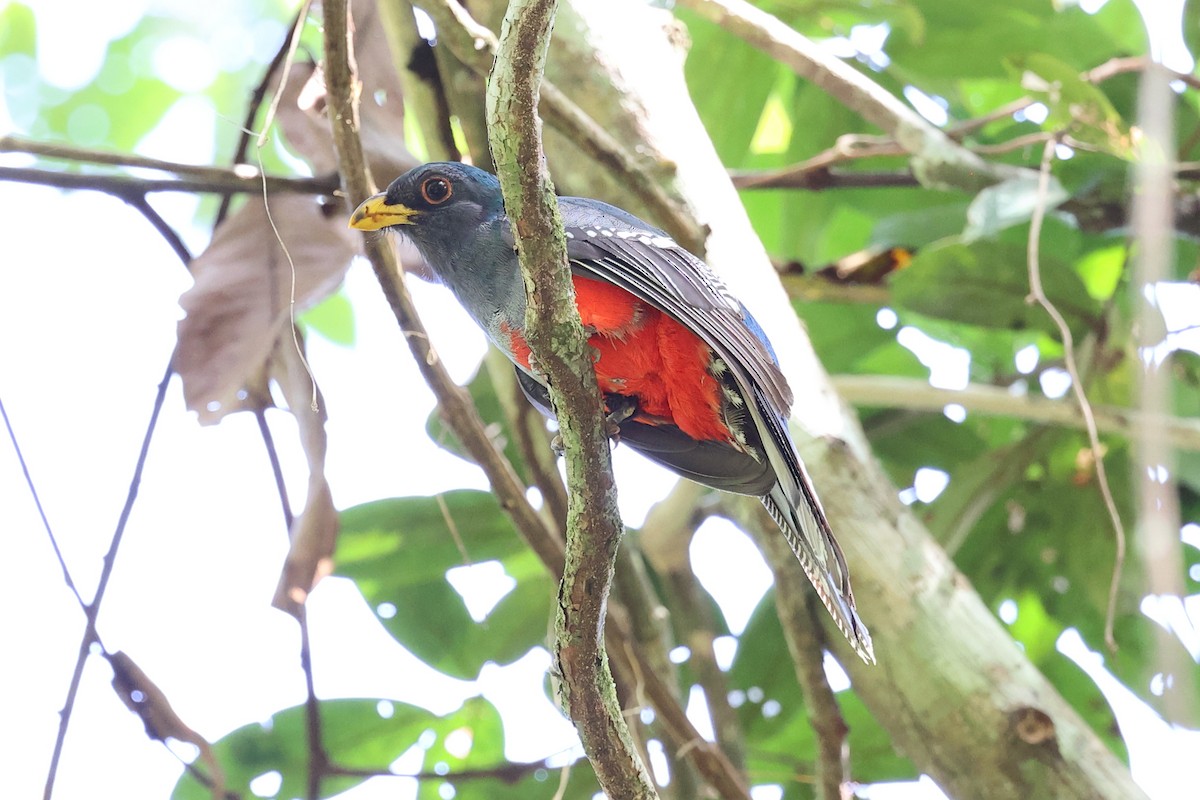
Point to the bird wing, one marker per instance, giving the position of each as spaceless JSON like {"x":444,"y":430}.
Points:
{"x":612,"y":245}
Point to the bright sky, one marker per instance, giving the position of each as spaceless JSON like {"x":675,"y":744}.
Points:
{"x":86,"y":335}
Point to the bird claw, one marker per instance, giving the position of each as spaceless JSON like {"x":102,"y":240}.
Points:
{"x":612,"y":422}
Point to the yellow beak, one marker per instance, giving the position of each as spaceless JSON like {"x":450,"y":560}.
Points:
{"x":375,"y":213}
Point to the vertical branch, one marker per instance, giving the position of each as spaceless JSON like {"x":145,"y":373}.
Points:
{"x":556,"y":337}
{"x":806,"y":642}
{"x":1153,"y":466}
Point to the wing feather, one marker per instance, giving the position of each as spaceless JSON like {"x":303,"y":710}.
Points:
{"x":610,"y":245}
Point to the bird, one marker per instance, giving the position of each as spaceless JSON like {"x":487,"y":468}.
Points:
{"x":688,"y":376}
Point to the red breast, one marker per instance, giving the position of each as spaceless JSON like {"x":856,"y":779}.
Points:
{"x":646,"y":354}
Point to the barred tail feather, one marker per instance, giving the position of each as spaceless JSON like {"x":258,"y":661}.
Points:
{"x":819,"y":555}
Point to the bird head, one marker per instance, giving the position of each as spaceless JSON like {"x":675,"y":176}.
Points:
{"x":432,"y":203}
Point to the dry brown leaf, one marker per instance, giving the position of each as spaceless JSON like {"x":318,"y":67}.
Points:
{"x":314,"y":530}
{"x":305,"y":125}
{"x":381,"y":106}
{"x":240,"y":304}
{"x":143,"y":697}
{"x":302,"y":119}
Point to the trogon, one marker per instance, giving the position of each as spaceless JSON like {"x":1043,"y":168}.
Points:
{"x":687,"y":374}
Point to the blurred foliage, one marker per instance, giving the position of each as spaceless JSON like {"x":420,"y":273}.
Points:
{"x":1021,"y":512}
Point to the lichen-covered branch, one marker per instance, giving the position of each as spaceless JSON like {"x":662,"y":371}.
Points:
{"x":560,"y":348}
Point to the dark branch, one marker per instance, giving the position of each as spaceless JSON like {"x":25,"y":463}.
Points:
{"x":214,"y":181}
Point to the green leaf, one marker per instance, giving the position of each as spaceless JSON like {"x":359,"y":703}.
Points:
{"x":333,"y":318}
{"x":1101,"y":269}
{"x":367,"y":734}
{"x":1075,"y":104}
{"x":848,"y":340}
{"x":1184,"y":369}
{"x":398,"y":552}
{"x":985,"y":283}
{"x":918,"y":227}
{"x":730,"y":92}
{"x":478,"y":724}
{"x":1191,"y":26}
{"x":1009,"y":203}
{"x":970,"y":41}
{"x":18,"y":31}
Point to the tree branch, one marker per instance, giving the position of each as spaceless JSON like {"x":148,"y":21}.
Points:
{"x":453,"y":401}
{"x":894,"y":392}
{"x":1158,"y":513}
{"x":806,"y":643}
{"x":560,"y":348}
{"x":475,"y":46}
{"x":937,"y":160}
{"x":214,"y":181}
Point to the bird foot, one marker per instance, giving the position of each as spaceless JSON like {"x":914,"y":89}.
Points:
{"x":620,"y":408}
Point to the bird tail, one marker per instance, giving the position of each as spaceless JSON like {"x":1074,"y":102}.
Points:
{"x":808,"y":534}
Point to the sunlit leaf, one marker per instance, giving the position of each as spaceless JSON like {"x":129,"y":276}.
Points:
{"x":398,"y":551}
{"x":1076,"y":105}
{"x":333,"y":318}
{"x":355,"y":734}
{"x":1009,"y":203}
{"x":986,"y":283}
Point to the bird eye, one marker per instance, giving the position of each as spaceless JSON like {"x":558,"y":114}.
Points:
{"x":436,"y":190}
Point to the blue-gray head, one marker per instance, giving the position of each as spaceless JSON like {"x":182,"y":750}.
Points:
{"x":437,"y":205}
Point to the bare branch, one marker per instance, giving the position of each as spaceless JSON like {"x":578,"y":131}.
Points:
{"x":215,"y":180}
{"x":1158,"y":515}
{"x":883,"y":391}
{"x":92,"y":610}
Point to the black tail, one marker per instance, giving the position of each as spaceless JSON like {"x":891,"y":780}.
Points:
{"x":808,"y":534}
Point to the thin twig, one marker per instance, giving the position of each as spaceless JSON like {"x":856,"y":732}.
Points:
{"x":937,"y":160}
{"x":815,"y":172}
{"x":92,"y":610}
{"x":318,"y":758}
{"x":1123,"y":65}
{"x":1038,"y":295}
{"x":37,"y":502}
{"x":286,"y":49}
{"x":264,"y":431}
